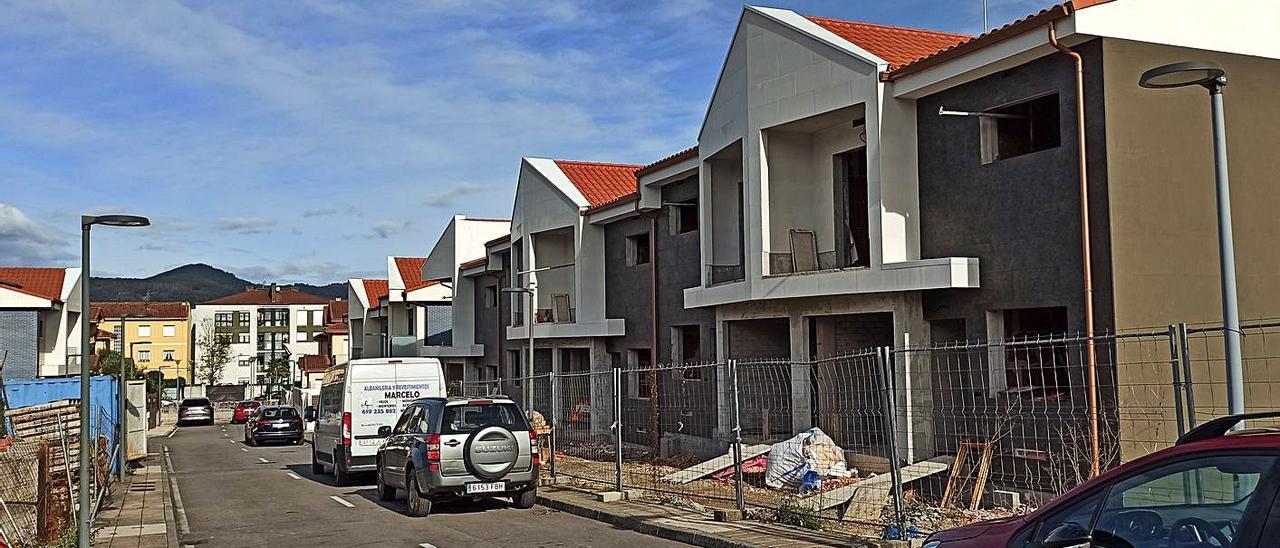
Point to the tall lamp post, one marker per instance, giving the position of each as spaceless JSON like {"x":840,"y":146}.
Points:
{"x":86,"y":498}
{"x":1210,"y":76}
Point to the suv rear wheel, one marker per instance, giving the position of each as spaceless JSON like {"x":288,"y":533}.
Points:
{"x":419,"y":506}
{"x":525,"y":500}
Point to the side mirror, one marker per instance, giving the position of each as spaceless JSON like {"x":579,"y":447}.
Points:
{"x":1068,"y":535}
{"x":309,"y":414}
{"x":384,"y":431}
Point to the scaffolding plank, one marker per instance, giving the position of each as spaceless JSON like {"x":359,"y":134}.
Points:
{"x":866,"y":497}
{"x":706,"y":468}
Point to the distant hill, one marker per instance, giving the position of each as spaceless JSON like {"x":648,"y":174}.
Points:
{"x":194,"y":283}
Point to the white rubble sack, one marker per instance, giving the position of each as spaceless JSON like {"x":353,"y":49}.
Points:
{"x":808,"y":450}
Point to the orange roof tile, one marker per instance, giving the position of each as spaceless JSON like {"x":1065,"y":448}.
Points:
{"x":45,"y":283}
{"x":896,"y":45}
{"x":474,"y":262}
{"x":598,"y":182}
{"x":374,"y":290}
{"x":691,"y":152}
{"x":140,"y":309}
{"x":336,"y":310}
{"x":270,"y":295}
{"x":313,"y":363}
{"x":411,"y":272}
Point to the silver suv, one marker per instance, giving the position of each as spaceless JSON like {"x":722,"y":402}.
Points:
{"x":442,"y":449}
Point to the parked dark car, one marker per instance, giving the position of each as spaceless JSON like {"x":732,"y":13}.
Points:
{"x":244,"y":410}
{"x":1215,"y":488}
{"x":274,"y":423}
{"x":195,"y":410}
{"x":441,"y":449}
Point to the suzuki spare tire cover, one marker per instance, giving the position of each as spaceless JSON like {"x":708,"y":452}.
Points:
{"x":491,"y":452}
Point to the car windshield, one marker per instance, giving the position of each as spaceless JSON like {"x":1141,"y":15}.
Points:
{"x":278,"y":413}
{"x":464,"y":419}
{"x":195,"y":402}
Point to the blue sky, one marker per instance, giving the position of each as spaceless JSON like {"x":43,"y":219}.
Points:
{"x":306,"y":141}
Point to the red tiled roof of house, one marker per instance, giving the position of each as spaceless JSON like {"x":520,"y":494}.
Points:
{"x":140,"y":309}
{"x":45,"y":283}
{"x":100,"y":335}
{"x":985,"y":39}
{"x":473,"y":263}
{"x":411,"y":272}
{"x":270,"y":295}
{"x":499,"y":240}
{"x":336,"y":328}
{"x":898,"y":46}
{"x":599,"y":182}
{"x":314,"y":363}
{"x":691,"y":152}
{"x":624,"y":199}
{"x":375,"y":290}
{"x":336,"y":311}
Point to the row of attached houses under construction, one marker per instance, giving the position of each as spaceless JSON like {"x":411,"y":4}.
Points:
{"x":856,"y":186}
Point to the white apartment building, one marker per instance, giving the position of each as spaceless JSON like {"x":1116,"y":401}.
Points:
{"x":262,"y":322}
{"x":462,"y":242}
{"x":40,"y":322}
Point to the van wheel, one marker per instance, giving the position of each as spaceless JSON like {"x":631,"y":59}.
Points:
{"x":316,"y":467}
{"x":385,"y":492}
{"x":525,"y":500}
{"x":419,"y":506}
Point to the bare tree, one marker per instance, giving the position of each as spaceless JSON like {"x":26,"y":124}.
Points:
{"x":215,"y":351}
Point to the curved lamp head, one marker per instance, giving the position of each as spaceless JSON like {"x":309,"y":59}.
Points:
{"x":1190,"y":73}
{"x":114,"y":220}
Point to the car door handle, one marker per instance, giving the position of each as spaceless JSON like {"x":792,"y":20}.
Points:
{"x":452,"y":443}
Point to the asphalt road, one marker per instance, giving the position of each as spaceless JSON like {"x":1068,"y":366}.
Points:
{"x":236,"y":495}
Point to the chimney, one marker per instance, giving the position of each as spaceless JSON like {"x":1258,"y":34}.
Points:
{"x":272,"y":291}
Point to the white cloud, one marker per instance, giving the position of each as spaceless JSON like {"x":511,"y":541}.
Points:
{"x":319,"y":212}
{"x":245,"y":225}
{"x":449,"y":196}
{"x":24,"y":242}
{"x":387,"y":229}
{"x":314,"y":271}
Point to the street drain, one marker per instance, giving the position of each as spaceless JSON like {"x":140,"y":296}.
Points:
{"x":142,"y":486}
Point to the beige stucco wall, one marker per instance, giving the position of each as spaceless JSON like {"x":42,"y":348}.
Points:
{"x":1163,"y":223}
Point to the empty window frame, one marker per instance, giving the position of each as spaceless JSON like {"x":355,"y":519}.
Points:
{"x":490,"y":296}
{"x":1020,"y":128}
{"x":643,"y":377}
{"x":1032,"y":360}
{"x":688,"y":341}
{"x":684,"y":215}
{"x":852,"y":223}
{"x":638,"y":249}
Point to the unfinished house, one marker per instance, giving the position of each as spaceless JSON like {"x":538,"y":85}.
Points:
{"x":451,"y":324}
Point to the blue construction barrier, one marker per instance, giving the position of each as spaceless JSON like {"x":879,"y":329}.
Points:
{"x":102,"y":396}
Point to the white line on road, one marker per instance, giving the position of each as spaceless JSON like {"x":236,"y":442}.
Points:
{"x":245,"y":450}
{"x":427,"y":545}
{"x":231,"y":441}
{"x":171,"y":433}
{"x":293,"y":475}
{"x":264,"y":461}
{"x":342,"y":502}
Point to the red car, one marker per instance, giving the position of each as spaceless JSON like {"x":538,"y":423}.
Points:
{"x":1215,"y":488}
{"x":244,"y":410}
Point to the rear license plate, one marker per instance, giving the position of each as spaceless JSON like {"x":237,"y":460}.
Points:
{"x":281,"y":426}
{"x":495,"y":487}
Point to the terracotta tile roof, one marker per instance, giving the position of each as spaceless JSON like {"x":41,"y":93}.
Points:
{"x":270,"y":295}
{"x":691,"y":152}
{"x":499,"y":240}
{"x":336,"y":311}
{"x":411,"y":272}
{"x":625,"y":198}
{"x":313,"y":363}
{"x":100,"y":335}
{"x":375,"y":290}
{"x":336,"y":328}
{"x":985,"y":39}
{"x":474,"y":263}
{"x":598,"y":182}
{"x":898,"y":46}
{"x":45,"y":283}
{"x":140,"y":309}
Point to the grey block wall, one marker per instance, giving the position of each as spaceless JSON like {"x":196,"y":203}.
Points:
{"x":18,"y":339}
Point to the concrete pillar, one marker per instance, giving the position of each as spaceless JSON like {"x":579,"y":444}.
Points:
{"x":913,"y":389}
{"x":601,"y":388}
{"x":724,"y":403}
{"x":801,"y":399}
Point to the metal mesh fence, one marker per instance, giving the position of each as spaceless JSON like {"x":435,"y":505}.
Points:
{"x":890,"y":442}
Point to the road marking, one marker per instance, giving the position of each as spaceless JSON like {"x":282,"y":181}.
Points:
{"x":231,"y":441}
{"x":171,"y":433}
{"x":427,"y":545}
{"x":245,"y":450}
{"x":342,"y":502}
{"x":264,"y":461}
{"x":294,"y":476}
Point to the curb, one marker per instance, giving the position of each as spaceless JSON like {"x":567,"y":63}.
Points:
{"x":661,"y":531}
{"x":183,"y":529}
{"x":170,"y":524}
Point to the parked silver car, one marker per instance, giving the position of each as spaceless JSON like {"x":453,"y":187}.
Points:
{"x":195,"y":410}
{"x":441,"y":449}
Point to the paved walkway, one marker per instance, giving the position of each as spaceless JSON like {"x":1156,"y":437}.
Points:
{"x":138,"y":514}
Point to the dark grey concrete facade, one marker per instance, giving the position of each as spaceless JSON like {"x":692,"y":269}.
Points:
{"x":18,"y":340}
{"x":1019,"y":216}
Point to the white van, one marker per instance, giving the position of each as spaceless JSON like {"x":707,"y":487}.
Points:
{"x":358,"y":398}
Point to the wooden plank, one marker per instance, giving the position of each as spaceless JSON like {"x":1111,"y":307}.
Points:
{"x":954,"y":479}
{"x":980,"y":482}
{"x":706,"y":468}
{"x":866,"y":497}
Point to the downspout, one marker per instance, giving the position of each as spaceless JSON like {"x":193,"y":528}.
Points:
{"x":656,"y":422}
{"x":1092,"y":368}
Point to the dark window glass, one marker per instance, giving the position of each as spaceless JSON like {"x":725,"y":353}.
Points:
{"x":464,"y":419}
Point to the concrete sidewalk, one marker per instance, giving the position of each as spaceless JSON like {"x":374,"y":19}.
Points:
{"x":687,"y":526}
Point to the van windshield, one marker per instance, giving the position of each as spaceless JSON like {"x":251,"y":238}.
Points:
{"x":464,"y":419}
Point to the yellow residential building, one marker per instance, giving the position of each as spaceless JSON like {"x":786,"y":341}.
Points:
{"x":157,"y":334}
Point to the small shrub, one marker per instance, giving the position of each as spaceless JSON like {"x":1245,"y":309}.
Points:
{"x":791,"y":513}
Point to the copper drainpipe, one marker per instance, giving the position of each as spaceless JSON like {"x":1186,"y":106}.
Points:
{"x":1092,"y":369}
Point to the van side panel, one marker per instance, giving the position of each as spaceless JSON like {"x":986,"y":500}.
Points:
{"x":378,"y":390}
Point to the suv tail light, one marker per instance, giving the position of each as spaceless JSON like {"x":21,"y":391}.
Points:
{"x":346,"y":429}
{"x":535,"y":455}
{"x":433,"y":452}
{"x":296,"y":420}
{"x":263,"y":422}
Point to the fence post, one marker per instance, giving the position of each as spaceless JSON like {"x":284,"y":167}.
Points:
{"x":555,"y":419}
{"x":1177,"y":379}
{"x":739,"y":501}
{"x":884,"y":358}
{"x":1187,"y":383}
{"x":617,"y":426}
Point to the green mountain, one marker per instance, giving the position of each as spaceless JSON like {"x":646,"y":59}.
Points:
{"x":194,"y":283}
